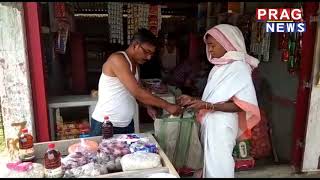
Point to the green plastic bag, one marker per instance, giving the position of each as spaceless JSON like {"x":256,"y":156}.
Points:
{"x":179,"y":139}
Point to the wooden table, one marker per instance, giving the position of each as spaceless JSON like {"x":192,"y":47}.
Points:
{"x":69,"y":101}
{"x":62,"y":146}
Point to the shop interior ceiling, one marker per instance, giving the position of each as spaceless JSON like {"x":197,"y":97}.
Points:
{"x":168,"y":8}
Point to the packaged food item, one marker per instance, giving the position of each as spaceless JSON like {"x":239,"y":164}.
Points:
{"x":244,"y":164}
{"x":88,"y":170}
{"x":140,"y":160}
{"x":84,"y":146}
{"x":26,"y":151}
{"x":141,"y":146}
{"x":52,"y":162}
{"x":107,"y":128}
{"x":242,"y":149}
{"x":74,"y":160}
{"x":131,"y":138}
{"x":23,"y":170}
{"x":114,"y":147}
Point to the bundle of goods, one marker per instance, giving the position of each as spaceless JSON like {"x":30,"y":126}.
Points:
{"x":112,"y":150}
{"x":82,"y":160}
{"x":23,"y":170}
{"x":110,"y":153}
{"x":88,"y":170}
{"x":140,"y":160}
{"x":88,"y":158}
{"x":72,"y":129}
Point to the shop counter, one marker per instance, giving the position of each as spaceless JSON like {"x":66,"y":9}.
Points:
{"x":62,"y":146}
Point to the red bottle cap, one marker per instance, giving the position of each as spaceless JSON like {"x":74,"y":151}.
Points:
{"x":24,"y":130}
{"x":51,"y":145}
{"x":106,"y":118}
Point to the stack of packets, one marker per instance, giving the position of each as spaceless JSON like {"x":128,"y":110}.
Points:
{"x":71,"y":130}
{"x":241,"y":154}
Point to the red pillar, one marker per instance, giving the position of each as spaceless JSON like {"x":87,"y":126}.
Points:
{"x":303,"y":94}
{"x":78,"y":64}
{"x":32,"y":26}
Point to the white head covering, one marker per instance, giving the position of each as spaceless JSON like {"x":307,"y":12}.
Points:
{"x":231,"y":38}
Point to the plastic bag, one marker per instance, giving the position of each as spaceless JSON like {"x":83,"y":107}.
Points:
{"x":140,"y":160}
{"x":179,"y":139}
{"x":114,"y":147}
{"x":74,"y":160}
{"x":86,"y":147}
{"x":23,"y":170}
{"x":111,"y":162}
{"x":88,"y":170}
{"x":260,"y":141}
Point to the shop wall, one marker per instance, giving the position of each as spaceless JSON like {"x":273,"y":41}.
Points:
{"x":281,"y":87}
{"x":15,"y":90}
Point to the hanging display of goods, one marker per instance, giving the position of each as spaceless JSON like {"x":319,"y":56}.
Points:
{"x":283,"y":41}
{"x":138,"y":17}
{"x":59,"y":10}
{"x":154,"y":16}
{"x":285,"y":55}
{"x":294,"y":48}
{"x":62,"y":37}
{"x":260,"y":41}
{"x":115,"y":18}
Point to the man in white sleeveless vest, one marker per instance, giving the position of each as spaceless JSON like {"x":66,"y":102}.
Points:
{"x":119,"y":86}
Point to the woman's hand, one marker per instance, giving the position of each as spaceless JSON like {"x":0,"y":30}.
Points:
{"x":184,"y":100}
{"x":197,"y":105}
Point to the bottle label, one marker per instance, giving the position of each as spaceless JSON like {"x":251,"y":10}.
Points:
{"x":52,"y":161}
{"x":53,"y":173}
{"x":25,"y":142}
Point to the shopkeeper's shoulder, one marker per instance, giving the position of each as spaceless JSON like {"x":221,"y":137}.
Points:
{"x":117,"y":59}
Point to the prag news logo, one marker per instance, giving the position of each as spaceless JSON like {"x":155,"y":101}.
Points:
{"x":281,"y":19}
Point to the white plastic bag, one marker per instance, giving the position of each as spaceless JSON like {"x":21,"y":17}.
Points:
{"x":140,"y":160}
{"x":179,"y":139}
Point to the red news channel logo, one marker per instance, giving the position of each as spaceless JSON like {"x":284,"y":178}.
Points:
{"x":281,"y":19}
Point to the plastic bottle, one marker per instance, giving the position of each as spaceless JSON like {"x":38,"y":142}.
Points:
{"x":84,"y":134}
{"x":107,"y":128}
{"x":52,"y":162}
{"x":26,"y":151}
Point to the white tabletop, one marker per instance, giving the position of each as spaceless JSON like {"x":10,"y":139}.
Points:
{"x":71,"y":100}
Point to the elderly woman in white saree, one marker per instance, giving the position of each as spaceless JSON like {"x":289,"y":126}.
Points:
{"x":228,"y":108}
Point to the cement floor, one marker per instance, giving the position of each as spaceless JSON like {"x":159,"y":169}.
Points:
{"x":268,"y":169}
{"x":275,"y":171}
